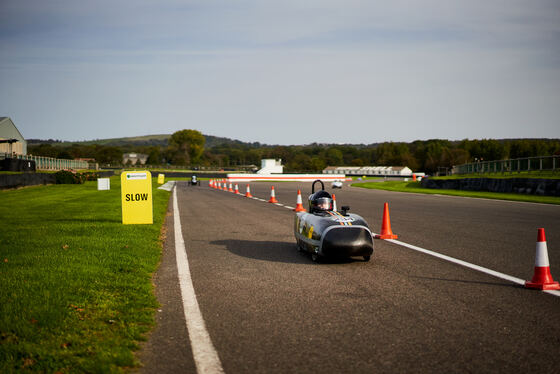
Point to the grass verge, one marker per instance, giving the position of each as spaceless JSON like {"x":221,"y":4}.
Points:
{"x":416,"y":188}
{"x":76,"y":292}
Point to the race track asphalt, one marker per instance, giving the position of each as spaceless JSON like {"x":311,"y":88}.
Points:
{"x":270,"y":309}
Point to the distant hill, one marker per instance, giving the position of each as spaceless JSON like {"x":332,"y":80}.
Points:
{"x":161,"y":140}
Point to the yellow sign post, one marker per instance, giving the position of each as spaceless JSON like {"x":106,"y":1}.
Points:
{"x":160,"y":178}
{"x":136,"y":197}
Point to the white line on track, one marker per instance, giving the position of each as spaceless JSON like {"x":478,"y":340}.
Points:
{"x":467,"y":264}
{"x":204,"y":354}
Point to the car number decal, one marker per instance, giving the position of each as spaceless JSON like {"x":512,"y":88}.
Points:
{"x":343,"y":219}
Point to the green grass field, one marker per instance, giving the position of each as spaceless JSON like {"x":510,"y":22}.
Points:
{"x":415,"y":187}
{"x":76,"y":292}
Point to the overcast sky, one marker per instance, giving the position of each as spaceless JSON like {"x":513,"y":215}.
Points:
{"x":282,"y":72}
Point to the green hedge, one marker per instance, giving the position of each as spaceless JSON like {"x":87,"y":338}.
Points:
{"x":70,"y":177}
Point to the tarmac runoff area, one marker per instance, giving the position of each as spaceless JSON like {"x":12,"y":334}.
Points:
{"x":206,"y":356}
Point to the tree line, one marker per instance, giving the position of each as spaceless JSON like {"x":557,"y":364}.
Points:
{"x":188,"y":148}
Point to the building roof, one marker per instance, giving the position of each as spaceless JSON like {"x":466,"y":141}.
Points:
{"x":9,"y":130}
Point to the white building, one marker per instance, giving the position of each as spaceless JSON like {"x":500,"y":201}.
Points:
{"x":11,"y":140}
{"x":135,"y":158}
{"x":397,"y":171}
{"x":271,"y":166}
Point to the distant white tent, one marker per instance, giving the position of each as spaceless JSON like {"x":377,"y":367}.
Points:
{"x":271,"y":166}
{"x":401,"y":171}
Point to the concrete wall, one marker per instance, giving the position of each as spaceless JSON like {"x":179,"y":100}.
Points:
{"x":25,"y":179}
{"x":34,"y":179}
{"x":532,"y":186}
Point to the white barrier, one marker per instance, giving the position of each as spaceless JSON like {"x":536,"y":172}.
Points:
{"x":285,"y":177}
{"x":103,"y":184}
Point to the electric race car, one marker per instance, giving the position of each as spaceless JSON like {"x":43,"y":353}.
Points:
{"x":336,"y":184}
{"x":194,"y":181}
{"x":324,"y":232}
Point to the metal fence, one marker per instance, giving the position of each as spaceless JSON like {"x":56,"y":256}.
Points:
{"x":542,"y":163}
{"x":49,"y":163}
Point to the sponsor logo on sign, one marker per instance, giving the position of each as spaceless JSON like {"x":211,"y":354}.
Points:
{"x":133,"y":176}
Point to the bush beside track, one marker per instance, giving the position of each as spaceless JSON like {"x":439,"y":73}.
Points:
{"x":76,"y":291}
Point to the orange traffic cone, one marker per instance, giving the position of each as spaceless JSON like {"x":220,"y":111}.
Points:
{"x":248,"y":193}
{"x":230,"y":187}
{"x":542,"y":279}
{"x":272,"y":196}
{"x":334,"y":202}
{"x":299,"y":205}
{"x":386,"y":232}
{"x":236,"y":189}
{"x":219,"y":185}
{"x":414,"y":177}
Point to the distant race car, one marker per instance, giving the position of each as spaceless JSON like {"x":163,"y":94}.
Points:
{"x":324,"y":232}
{"x":336,"y":184}
{"x":194,"y":181}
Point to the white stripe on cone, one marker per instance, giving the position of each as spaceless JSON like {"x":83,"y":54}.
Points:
{"x":272,"y":196}
{"x":248,"y":193}
{"x":541,"y":256}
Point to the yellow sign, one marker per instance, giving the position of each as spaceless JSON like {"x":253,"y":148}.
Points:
{"x":160,"y":178}
{"x":136,"y":197}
